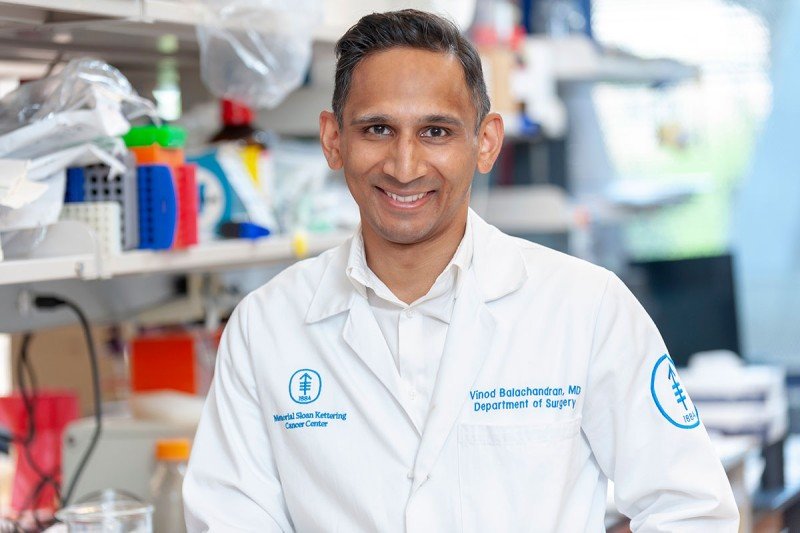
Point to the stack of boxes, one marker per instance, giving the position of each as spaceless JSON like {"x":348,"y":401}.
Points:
{"x":156,"y":201}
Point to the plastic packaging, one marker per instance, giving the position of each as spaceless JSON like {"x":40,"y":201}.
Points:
{"x":68,"y":119}
{"x":167,"y":485}
{"x":256,"y":51}
{"x":86,"y":100}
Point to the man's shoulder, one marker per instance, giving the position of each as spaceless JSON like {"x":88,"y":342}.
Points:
{"x":298,"y":283}
{"x":544,"y":264}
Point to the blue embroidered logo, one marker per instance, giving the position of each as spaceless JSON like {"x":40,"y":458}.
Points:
{"x":305,"y":386}
{"x":670,"y":397}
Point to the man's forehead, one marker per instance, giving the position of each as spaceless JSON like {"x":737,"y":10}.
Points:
{"x":408,"y":84}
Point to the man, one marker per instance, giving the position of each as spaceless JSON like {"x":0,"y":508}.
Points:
{"x":433,"y":374}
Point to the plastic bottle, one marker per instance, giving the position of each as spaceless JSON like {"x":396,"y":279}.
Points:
{"x":166,"y":485}
{"x":253,"y":158}
{"x":237,"y":125}
{"x":237,"y":128}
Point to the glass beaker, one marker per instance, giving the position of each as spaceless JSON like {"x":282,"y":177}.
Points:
{"x":108,"y":512}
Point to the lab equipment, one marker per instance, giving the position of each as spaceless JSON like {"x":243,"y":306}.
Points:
{"x":166,"y":136}
{"x":157,"y":155}
{"x":164,"y":361}
{"x":243,"y":230}
{"x":228,"y":191}
{"x":163,"y":145}
{"x":186,"y":233}
{"x":96,"y":183}
{"x":158,"y":207}
{"x":109,"y":511}
{"x":167,"y":484}
{"x":253,"y":144}
{"x":104,"y":220}
{"x":123,"y":457}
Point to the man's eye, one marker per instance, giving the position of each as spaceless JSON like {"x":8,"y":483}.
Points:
{"x":378,"y":129}
{"x":435,"y":132}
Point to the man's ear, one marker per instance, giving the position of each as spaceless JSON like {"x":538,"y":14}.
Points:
{"x":329,"y":139}
{"x":490,"y":141}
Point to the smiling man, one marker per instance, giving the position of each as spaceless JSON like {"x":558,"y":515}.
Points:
{"x":432,"y":374}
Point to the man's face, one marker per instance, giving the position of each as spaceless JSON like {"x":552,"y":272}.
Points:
{"x":408,"y":143}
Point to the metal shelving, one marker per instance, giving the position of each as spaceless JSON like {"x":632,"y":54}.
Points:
{"x":90,"y":265}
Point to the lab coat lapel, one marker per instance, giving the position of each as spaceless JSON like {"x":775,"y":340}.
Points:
{"x":362,"y":334}
{"x":469,"y":340}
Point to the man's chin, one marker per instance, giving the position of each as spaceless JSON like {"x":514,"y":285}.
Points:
{"x":404,"y":234}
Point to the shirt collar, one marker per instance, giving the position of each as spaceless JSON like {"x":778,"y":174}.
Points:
{"x":494,"y":259}
{"x":362,"y":277}
{"x":438,"y":302}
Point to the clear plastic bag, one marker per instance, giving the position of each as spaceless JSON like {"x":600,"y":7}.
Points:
{"x":87,"y":100}
{"x":256,"y":51}
{"x":71,"y":89}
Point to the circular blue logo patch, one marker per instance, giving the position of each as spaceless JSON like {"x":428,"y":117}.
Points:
{"x":305,"y":385}
{"x":670,"y":397}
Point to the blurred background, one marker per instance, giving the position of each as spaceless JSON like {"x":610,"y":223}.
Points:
{"x":159,"y":159}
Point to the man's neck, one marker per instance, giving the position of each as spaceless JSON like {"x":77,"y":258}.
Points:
{"x":410,"y":270}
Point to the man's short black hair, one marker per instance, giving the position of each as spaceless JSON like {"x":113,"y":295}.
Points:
{"x":411,"y":29}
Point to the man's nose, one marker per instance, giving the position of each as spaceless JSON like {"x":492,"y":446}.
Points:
{"x":405,"y":159}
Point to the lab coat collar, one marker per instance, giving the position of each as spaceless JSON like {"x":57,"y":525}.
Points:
{"x":437,"y":303}
{"x":497,"y":264}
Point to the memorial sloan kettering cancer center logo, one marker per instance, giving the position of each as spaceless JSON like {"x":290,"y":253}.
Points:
{"x":670,"y":397}
{"x":305,"y":386}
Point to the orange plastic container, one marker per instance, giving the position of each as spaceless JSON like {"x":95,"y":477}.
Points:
{"x":158,"y":155}
{"x":164,"y":361}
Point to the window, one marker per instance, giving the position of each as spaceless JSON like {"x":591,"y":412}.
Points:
{"x":701,"y":131}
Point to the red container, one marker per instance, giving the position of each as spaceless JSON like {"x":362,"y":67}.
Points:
{"x":186,"y":187}
{"x":53,"y":410}
{"x":164,"y":361}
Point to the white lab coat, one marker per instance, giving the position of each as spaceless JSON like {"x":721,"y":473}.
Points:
{"x":561,"y":333}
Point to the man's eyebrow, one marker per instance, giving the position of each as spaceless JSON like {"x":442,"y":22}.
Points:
{"x":427,"y":119}
{"x":442,"y":119}
{"x":370,"y":119}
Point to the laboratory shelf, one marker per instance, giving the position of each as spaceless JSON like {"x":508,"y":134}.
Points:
{"x":204,"y":257}
{"x":579,"y":59}
{"x":221,"y":254}
{"x":81,"y":266}
{"x":148,"y":18}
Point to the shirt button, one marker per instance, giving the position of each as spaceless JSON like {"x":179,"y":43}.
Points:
{"x":410,"y":475}
{"x":409,"y":313}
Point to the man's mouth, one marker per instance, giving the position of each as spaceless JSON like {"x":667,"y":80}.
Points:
{"x":406,"y":199}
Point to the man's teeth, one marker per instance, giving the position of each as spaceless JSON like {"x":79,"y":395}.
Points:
{"x":405,"y":199}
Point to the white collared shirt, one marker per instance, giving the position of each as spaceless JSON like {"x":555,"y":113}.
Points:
{"x":415,"y":333}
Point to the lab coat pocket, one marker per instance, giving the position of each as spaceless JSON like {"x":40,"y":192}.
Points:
{"x":512,"y":478}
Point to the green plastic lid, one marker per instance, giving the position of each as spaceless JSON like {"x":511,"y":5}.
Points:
{"x":166,"y":136}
